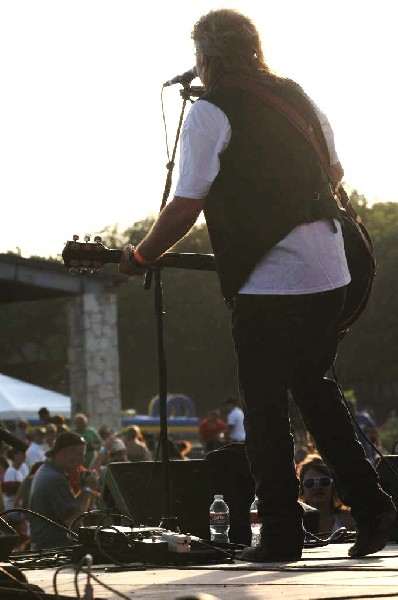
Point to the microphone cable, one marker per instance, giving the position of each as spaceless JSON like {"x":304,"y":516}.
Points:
{"x":354,"y":419}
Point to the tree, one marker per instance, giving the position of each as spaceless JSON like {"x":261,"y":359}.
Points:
{"x":198,"y":343}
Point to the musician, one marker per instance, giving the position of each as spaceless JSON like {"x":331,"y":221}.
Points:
{"x":279,"y":253}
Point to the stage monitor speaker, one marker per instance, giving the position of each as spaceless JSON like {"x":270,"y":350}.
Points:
{"x":136,"y":489}
{"x":8,"y":540}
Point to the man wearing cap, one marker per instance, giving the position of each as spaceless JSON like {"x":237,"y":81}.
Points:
{"x":52,"y":496}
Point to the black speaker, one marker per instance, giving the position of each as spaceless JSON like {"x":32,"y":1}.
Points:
{"x":8,"y":540}
{"x":230,"y":475}
{"x":136,"y":489}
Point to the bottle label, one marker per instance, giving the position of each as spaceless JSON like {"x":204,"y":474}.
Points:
{"x":219,"y":518}
{"x":254,"y":518}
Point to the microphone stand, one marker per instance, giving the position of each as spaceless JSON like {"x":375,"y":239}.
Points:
{"x":168,"y":521}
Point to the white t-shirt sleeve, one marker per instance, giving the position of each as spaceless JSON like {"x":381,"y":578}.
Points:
{"x":205,"y":135}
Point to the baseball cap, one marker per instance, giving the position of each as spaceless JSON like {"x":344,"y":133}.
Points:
{"x":118,"y":446}
{"x":65,"y":440}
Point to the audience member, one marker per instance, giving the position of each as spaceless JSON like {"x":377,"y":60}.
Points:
{"x":91,"y":436}
{"x":173,"y":450}
{"x":367,"y":434}
{"x":185,"y":448}
{"x":317,"y":490}
{"x":44,"y":416}
{"x":210,"y":430}
{"x":60,"y":422}
{"x":37,"y":448}
{"x":137,"y":449}
{"x":50,"y":436}
{"x":105,"y":431}
{"x":235,"y":431}
{"x":21,"y":431}
{"x":52,"y":496}
{"x":13,"y":476}
{"x":113,"y":450}
{"x":23,"y":494}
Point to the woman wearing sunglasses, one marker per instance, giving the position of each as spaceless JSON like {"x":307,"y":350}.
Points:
{"x":317,"y":490}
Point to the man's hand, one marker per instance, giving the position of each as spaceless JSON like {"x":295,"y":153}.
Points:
{"x":126,"y":266}
{"x":173,"y":222}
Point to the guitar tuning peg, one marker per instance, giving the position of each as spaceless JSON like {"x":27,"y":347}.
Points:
{"x":98,"y":239}
{"x":87,"y":237}
{"x":75,"y":238}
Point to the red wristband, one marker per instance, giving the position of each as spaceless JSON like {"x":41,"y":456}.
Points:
{"x":141,"y":260}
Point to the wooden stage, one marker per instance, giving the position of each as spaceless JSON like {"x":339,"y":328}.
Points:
{"x":322,"y":573}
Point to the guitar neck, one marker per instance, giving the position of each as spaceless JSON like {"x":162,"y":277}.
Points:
{"x":175,"y":260}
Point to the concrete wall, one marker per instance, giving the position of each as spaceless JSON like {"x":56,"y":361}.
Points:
{"x":94,"y":358}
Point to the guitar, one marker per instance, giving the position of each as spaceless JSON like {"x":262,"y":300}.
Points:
{"x":91,"y":256}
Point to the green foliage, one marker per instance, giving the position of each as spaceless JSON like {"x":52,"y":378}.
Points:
{"x":34,"y":344}
{"x":197,"y":339}
{"x":388,"y":433}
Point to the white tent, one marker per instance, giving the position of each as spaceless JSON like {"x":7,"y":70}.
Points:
{"x":21,"y":400}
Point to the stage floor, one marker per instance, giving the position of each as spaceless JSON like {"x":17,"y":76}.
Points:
{"x":322,"y":573}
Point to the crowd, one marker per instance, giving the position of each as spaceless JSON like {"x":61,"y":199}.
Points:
{"x":62,"y":472}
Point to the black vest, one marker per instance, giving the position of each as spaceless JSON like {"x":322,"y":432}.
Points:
{"x":270,"y":181}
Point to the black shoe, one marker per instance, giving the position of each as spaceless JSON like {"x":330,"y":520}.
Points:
{"x":261,"y":554}
{"x":373,"y":534}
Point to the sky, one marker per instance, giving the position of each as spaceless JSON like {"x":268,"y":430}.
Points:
{"x":82,"y":140}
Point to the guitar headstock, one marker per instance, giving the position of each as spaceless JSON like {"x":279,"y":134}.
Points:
{"x":86,"y":257}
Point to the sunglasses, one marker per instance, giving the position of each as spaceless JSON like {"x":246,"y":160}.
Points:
{"x":319,"y":481}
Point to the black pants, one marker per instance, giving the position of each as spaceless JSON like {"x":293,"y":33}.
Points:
{"x":290,"y":342}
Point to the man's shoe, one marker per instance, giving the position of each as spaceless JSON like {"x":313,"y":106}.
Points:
{"x":261,"y":554}
{"x":373,"y":534}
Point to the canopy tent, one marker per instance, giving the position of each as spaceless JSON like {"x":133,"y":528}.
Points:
{"x":21,"y":400}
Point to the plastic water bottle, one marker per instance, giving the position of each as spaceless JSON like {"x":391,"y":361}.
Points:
{"x":255,"y":523}
{"x":219,"y":520}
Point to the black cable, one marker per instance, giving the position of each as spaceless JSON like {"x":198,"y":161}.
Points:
{"x":36,"y":514}
{"x":165,"y":125}
{"x":56,"y":573}
{"x":354,"y":419}
{"x":105,"y":515}
{"x":118,"y":515}
{"x":23,"y":585}
{"x":101,"y":548}
{"x":341,"y":532}
{"x":78,"y":569}
{"x":213,"y":546}
{"x":108,"y":587}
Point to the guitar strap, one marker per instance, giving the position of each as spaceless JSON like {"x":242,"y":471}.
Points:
{"x":262,"y":91}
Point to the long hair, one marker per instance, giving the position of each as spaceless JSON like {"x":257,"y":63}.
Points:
{"x":228,"y":43}
{"x":314,"y":461}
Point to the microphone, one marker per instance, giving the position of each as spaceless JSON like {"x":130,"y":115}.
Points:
{"x":185,"y":78}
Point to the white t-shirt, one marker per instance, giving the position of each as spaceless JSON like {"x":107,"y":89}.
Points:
{"x":13,"y":474}
{"x":235,"y":418}
{"x":35,"y":453}
{"x":310,"y":258}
